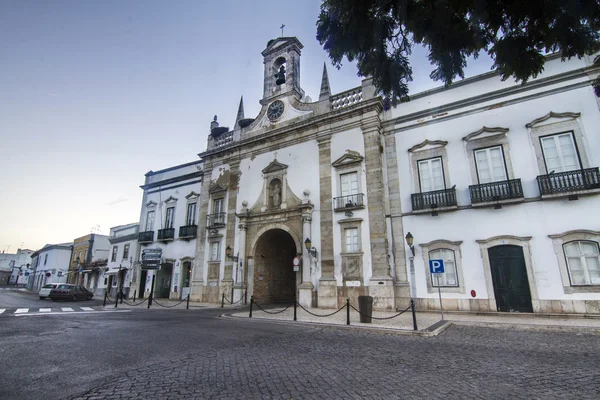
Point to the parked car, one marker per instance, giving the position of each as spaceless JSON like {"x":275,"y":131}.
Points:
{"x":45,"y":290}
{"x":66,"y":291}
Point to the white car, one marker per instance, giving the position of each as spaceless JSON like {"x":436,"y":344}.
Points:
{"x":45,"y":290}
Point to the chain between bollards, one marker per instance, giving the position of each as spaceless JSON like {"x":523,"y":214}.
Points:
{"x":187,"y":306}
{"x":251,"y":304}
{"x":412,"y":307}
{"x":347,"y":311}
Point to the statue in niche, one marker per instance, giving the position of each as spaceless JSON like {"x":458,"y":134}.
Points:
{"x":276,"y":195}
{"x":280,"y":76}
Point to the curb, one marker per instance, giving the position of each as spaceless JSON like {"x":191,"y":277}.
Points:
{"x":431,"y":331}
{"x":535,"y":327}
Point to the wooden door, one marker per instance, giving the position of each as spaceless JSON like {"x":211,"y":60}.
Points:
{"x":509,"y":276}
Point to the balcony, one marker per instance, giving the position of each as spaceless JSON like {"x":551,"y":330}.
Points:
{"x":496,"y":193}
{"x":570,"y":183}
{"x":166,"y":234}
{"x":215,"y":220}
{"x":350,"y":202}
{"x":146,"y":237}
{"x":188,"y":231}
{"x":438,"y":200}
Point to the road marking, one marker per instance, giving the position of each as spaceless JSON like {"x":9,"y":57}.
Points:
{"x":45,"y":309}
{"x":67,"y":309}
{"x":22,"y":310}
{"x":72,"y":313}
{"x":2,"y":310}
{"x":87,"y":308}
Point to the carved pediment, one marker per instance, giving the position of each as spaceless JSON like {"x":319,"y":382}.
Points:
{"x":150,"y":204}
{"x":483,"y":131}
{"x":274,"y":166}
{"x":348,"y":159}
{"x":171,"y":199}
{"x":216,"y":188}
{"x":428,"y":144}
{"x":551,"y":114}
{"x":192,"y":195}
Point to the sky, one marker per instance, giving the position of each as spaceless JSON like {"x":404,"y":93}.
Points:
{"x":94,"y":94}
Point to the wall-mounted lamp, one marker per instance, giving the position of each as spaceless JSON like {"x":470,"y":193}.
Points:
{"x":311,"y":250}
{"x":409,"y":241}
{"x":228,"y":254}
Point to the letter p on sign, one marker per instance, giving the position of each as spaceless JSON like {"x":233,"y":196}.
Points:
{"x":436,"y":266}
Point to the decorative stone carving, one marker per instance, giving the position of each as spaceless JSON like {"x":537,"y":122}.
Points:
{"x":275,"y":194}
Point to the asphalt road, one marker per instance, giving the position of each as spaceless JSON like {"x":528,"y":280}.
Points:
{"x":193,"y":354}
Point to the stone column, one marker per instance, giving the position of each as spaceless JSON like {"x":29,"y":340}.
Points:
{"x":381,"y":286}
{"x":402,"y":291}
{"x":240,"y":285}
{"x":227,"y":278}
{"x":305,"y":288}
{"x":327,"y":294}
{"x":197,"y":286}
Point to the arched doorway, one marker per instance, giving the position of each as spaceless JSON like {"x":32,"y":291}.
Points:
{"x":274,"y":277}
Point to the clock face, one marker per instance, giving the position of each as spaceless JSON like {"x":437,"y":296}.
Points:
{"x":275,"y":110}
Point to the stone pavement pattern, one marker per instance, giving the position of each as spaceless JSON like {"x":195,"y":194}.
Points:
{"x":330,"y":363}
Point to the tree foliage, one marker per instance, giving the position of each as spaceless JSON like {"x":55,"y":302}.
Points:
{"x":379,"y":35}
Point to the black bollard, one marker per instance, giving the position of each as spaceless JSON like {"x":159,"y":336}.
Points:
{"x":412,"y":307}
{"x":251,"y":304}
{"x":117,"y":300}
{"x":105,"y":294}
{"x":295,"y":303}
{"x":246,"y":296}
{"x":187,"y":306}
{"x":232,"y":295}
{"x":151,"y":292}
{"x":134,"y":293}
{"x":222,"y":300}
{"x":347,"y":311}
{"x":121,"y":296}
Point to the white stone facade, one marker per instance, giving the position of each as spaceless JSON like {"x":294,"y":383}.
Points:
{"x":51,"y":264}
{"x":119,"y":268}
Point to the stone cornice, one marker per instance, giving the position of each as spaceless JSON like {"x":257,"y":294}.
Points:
{"x":426,"y":142}
{"x":171,"y":199}
{"x":172,"y":180}
{"x":349,"y":158}
{"x":441,"y":242}
{"x":551,"y":114}
{"x":192,"y":194}
{"x":483,"y":130}
{"x":574,"y":232}
{"x":507,"y":237}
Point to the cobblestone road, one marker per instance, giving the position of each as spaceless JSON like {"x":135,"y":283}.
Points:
{"x":323,"y":363}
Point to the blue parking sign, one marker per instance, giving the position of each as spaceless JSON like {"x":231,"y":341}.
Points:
{"x":436,"y":266}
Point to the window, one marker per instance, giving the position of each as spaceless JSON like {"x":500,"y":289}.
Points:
{"x":215,"y":251}
{"x":218,"y":206}
{"x":560,"y":153}
{"x":150,"y":221}
{"x":349,"y":184}
{"x":126,"y":251}
{"x":191,"y":214}
{"x":113,"y":258}
{"x":449,"y":277}
{"x":79,"y":256}
{"x":583,"y":262}
{"x":85,"y":255}
{"x":352,"y":243}
{"x":169,"y":217}
{"x":45,"y":259}
{"x":431,"y":175}
{"x":490,"y":165}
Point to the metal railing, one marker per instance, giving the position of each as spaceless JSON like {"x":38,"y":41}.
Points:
{"x":350,"y":201}
{"x":563,"y":182}
{"x":347,"y":98}
{"x":435,"y":199}
{"x":215,"y":220}
{"x":188,"y":231}
{"x":166,"y":234}
{"x":146,"y":237}
{"x":495,"y":191}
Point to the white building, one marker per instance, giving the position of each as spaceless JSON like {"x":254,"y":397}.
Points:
{"x":18,"y":265}
{"x":484,"y":175}
{"x":123,"y":242}
{"x":51,"y":264}
{"x":167,"y":231}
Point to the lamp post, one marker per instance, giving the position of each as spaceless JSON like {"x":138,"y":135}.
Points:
{"x":311,"y":250}
{"x":228,"y":252}
{"x":409,"y":241}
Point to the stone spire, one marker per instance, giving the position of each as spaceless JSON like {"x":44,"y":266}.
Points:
{"x":240,"y":113}
{"x":325,"y":90}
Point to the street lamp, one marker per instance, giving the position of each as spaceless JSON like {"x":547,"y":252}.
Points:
{"x":409,"y":241}
{"x":311,"y":250}
{"x":228,"y":252}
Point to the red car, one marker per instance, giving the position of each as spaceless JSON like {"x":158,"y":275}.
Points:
{"x":66,"y":291}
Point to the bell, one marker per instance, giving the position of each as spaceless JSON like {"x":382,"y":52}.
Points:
{"x":280,"y":81}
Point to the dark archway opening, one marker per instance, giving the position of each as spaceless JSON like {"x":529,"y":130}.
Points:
{"x":274,"y":276}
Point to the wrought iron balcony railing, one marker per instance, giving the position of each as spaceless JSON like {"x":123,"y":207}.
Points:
{"x":166,"y":234}
{"x":570,"y":181}
{"x":496,"y":191}
{"x":433,"y":200}
{"x":348,"y":202}
{"x":146,"y":237}
{"x":188,"y":231}
{"x":216,"y":220}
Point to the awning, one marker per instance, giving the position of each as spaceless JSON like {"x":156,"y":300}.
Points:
{"x":114,"y":271}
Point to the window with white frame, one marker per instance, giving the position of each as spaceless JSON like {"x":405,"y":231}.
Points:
{"x":560,"y":152}
{"x":217,"y":211}
{"x":215,"y":251}
{"x":352,"y":243}
{"x":431,"y":175}
{"x":45,"y":259}
{"x":348,"y":184}
{"x":449,"y":278}
{"x":126,"y":252}
{"x":490,"y":165}
{"x":169,"y":217}
{"x":113,"y":258}
{"x":583,"y":262}
{"x":85,"y":255}
{"x":191,"y":214}
{"x":150,"y":221}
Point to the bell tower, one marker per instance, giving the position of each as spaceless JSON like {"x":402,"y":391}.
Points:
{"x":282,"y":68}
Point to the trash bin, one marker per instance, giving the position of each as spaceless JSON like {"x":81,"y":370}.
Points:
{"x":365,"y":306}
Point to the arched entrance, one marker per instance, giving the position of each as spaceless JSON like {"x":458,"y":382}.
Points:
{"x":274,"y":277}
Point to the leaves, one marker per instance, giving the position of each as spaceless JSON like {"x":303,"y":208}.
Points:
{"x":379,"y":35}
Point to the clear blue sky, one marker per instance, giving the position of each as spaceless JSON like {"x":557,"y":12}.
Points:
{"x":93,"y":94}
